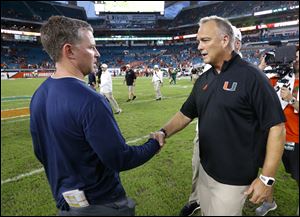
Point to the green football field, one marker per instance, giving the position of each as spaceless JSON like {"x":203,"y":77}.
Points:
{"x":159,"y":187}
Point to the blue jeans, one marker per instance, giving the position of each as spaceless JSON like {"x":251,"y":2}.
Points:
{"x":124,"y":207}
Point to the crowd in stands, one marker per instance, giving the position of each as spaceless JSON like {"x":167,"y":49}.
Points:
{"x":175,"y":54}
{"x":29,"y":55}
{"x":39,"y":11}
{"x":21,"y":27}
{"x":265,"y":35}
{"x":226,"y":9}
{"x":20,"y":55}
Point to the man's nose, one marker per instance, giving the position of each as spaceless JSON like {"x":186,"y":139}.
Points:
{"x":97,"y":53}
{"x":200,"y":46}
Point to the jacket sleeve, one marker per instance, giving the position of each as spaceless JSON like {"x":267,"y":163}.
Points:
{"x":105,"y":138}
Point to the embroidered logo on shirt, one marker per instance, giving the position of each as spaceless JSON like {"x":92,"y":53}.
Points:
{"x":205,"y":87}
{"x":226,"y":86}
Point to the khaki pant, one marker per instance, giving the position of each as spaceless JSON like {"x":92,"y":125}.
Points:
{"x":130,"y":92}
{"x":157,"y":85}
{"x":214,"y":198}
{"x":195,"y":195}
{"x":220,"y":199}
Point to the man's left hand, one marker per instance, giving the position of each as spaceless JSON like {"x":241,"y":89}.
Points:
{"x":260,"y":192}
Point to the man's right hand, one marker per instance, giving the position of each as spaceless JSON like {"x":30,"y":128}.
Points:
{"x":159,"y":136}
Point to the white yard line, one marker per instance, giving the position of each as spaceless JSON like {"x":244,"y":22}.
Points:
{"x":14,"y":109}
{"x":13,"y":97}
{"x":15,"y":100}
{"x":14,"y":121}
{"x":20,"y":116}
{"x":16,"y":178}
{"x":136,"y":101}
{"x":133,"y":102}
{"x":22,"y":176}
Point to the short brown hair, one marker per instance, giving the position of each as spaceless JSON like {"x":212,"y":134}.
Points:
{"x":58,"y":31}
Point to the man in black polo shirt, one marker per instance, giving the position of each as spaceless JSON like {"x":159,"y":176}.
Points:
{"x":235,"y":106}
{"x":130,"y":82}
{"x":92,"y":80}
{"x":193,"y":204}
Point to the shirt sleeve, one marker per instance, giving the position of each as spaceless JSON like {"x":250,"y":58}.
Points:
{"x":265,"y":102}
{"x":104,"y":136}
{"x":189,"y":107}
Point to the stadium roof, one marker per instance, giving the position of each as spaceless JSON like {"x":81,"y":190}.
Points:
{"x":169,"y":3}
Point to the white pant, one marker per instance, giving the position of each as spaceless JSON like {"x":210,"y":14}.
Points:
{"x":157,"y":85}
{"x":112,"y":101}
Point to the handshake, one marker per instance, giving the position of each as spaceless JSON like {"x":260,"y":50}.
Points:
{"x":160,"y":136}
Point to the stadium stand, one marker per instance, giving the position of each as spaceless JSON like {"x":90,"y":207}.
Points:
{"x":26,"y":52}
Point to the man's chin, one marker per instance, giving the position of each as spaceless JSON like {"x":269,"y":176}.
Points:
{"x":86,"y":73}
{"x":206,"y":61}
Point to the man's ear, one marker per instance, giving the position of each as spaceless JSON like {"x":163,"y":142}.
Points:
{"x":68,"y":51}
{"x":225,"y":41}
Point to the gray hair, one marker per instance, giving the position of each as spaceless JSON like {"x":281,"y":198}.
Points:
{"x":60,"y":30}
{"x":224,"y":26}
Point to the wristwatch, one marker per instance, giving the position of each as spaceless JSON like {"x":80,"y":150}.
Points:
{"x":164,"y":131}
{"x":268,"y":181}
{"x":292,"y":101}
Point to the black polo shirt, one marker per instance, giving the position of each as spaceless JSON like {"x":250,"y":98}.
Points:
{"x":91,"y":79}
{"x":235,"y":109}
{"x":130,"y":77}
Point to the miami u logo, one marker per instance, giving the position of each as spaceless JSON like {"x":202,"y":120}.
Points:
{"x":233,"y":86}
{"x":205,"y":87}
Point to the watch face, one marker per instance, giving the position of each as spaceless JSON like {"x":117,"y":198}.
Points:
{"x":270,"y":182}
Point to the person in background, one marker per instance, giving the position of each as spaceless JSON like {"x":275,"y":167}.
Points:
{"x":92,"y":80}
{"x":195,"y":75}
{"x":289,"y":97}
{"x":173,"y":74}
{"x":98,"y":74}
{"x":157,"y":80}
{"x":106,"y":88}
{"x":74,"y":133}
{"x":238,"y":40}
{"x":232,"y":116}
{"x":170,"y":74}
{"x":130,"y":79}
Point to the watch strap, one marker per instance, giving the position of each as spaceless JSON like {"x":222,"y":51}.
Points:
{"x":164,"y":131}
{"x":292,"y":101}
{"x":268,"y":181}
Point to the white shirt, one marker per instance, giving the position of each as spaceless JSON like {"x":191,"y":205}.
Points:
{"x":106,"y":82}
{"x":157,"y":76}
{"x":206,"y":67}
{"x":239,"y":53}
